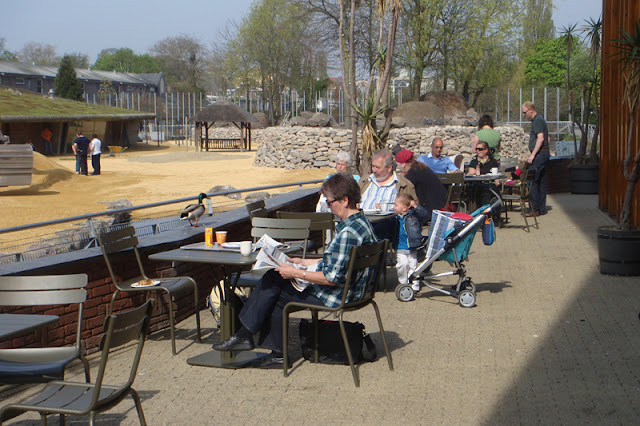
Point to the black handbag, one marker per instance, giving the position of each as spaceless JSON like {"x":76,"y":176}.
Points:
{"x":330,"y":345}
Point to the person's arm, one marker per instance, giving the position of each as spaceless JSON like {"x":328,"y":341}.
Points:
{"x":74,"y":148}
{"x":303,"y":262}
{"x":539,"y":142}
{"x":474,"y":141}
{"x":472,"y":167}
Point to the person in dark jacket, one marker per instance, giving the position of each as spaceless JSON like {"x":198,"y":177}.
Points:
{"x":432,"y":195}
{"x":409,"y":215}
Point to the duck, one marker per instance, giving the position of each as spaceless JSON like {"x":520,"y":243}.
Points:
{"x":194,"y":211}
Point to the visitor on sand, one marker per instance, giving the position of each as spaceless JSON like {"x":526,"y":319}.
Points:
{"x":96,"y":149}
{"x":46,"y":139}
{"x":409,"y":215}
{"x":81,"y":149}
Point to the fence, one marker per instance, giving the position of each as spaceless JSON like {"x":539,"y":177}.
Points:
{"x":173,"y":110}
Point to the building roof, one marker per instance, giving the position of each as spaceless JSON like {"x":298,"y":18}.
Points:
{"x":225,"y":112}
{"x":150,"y":79}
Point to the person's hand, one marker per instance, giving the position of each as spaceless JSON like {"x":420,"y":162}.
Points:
{"x":378,"y":206}
{"x":530,"y":159}
{"x":296,"y":260}
{"x":414,"y":203}
{"x":286,"y":271}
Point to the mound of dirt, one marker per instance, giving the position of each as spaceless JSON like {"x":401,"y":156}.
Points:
{"x":46,"y":171}
{"x":419,"y":114}
{"x":451,"y":103}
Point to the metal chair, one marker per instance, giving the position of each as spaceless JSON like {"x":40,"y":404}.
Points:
{"x":521,"y":194}
{"x":257,"y":209}
{"x":38,"y":365}
{"x":320,"y":221}
{"x":280,"y":230}
{"x":367,"y":256}
{"x":71,"y":398}
{"x":454,"y":182}
{"x":125,"y":239}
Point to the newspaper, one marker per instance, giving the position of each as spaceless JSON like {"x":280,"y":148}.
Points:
{"x":270,"y":256}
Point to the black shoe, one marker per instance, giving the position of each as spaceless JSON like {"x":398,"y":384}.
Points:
{"x":269,"y":362}
{"x":234,"y":343}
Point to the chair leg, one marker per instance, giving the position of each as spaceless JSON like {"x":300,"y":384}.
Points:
{"x":195,"y":297}
{"x":285,"y":341}
{"x":384,"y":338}
{"x":171,"y":323}
{"x":92,"y":418}
{"x":523,"y":210}
{"x":316,"y":340}
{"x":136,"y":400}
{"x":535,"y":218}
{"x":87,"y":369}
{"x":354,"y":372}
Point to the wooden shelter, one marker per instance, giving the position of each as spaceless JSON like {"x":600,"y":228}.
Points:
{"x":615,"y":118}
{"x":228,"y":113}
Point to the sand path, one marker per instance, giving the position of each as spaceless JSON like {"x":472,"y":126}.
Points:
{"x":144,"y":174}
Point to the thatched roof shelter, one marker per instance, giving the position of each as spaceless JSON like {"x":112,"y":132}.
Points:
{"x":227,"y":113}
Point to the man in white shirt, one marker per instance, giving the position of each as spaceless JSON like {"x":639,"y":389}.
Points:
{"x":95,"y":149}
{"x":436,"y":161}
{"x":379,"y":190}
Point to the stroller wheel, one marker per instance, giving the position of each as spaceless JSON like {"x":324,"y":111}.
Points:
{"x":404,"y":293}
{"x":467,"y":299}
{"x":468,"y":285}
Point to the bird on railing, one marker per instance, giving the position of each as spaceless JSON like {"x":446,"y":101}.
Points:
{"x":195,"y":211}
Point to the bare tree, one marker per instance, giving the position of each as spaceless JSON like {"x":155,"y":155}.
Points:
{"x":39,"y":54}
{"x":182,"y":59}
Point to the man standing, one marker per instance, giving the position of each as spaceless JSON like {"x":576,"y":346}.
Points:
{"x":81,"y":146}
{"x":46,"y":139}
{"x":539,"y":147}
{"x":435,"y":161}
{"x":96,"y":150}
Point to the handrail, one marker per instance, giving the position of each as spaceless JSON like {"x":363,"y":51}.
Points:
{"x":150,"y":205}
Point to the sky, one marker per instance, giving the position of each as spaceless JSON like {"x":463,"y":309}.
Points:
{"x":87,"y":27}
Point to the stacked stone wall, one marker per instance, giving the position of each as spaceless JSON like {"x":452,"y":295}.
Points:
{"x":312,"y":147}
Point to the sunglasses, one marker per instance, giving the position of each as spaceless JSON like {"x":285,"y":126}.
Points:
{"x":330,"y":202}
{"x":525,"y":112}
{"x":481,"y":149}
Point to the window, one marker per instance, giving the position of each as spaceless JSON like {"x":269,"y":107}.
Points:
{"x":20,"y":81}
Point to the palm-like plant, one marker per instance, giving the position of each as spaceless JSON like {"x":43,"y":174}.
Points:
{"x":592,"y":30}
{"x":628,"y":56}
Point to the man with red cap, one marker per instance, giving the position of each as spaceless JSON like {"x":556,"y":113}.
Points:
{"x":432,"y":195}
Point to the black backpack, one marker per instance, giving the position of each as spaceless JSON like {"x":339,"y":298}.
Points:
{"x":330,"y":345}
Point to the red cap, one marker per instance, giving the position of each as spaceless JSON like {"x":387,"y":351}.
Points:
{"x":404,"y":156}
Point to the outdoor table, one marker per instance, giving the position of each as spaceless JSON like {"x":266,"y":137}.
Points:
{"x":378,"y":216}
{"x":15,"y":324}
{"x":230,"y":261}
{"x":472,"y":181}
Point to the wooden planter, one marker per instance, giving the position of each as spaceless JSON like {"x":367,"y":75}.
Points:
{"x":619,"y":251}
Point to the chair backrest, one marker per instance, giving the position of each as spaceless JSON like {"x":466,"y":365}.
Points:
{"x":281,"y":229}
{"x":257,"y":209}
{"x":320,"y":221}
{"x":46,"y":290}
{"x":526,"y":179}
{"x":119,"y":240}
{"x":458,"y":161}
{"x":120,"y":329}
{"x":365,"y":256}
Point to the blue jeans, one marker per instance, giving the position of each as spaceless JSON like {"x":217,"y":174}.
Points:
{"x":263,"y":310}
{"x":539,"y":184}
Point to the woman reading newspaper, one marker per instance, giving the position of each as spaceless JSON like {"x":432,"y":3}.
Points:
{"x":262,"y":312}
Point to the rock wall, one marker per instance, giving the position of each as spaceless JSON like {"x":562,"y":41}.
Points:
{"x":309,"y":147}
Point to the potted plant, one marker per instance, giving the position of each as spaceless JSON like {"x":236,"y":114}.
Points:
{"x":584,"y":169}
{"x":619,"y":246}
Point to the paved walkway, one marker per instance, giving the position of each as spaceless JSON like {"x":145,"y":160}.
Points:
{"x":551,"y":341}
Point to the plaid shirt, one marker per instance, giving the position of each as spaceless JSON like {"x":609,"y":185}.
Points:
{"x":355,"y":230}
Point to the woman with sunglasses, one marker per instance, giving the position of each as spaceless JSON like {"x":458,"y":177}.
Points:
{"x":483,"y":162}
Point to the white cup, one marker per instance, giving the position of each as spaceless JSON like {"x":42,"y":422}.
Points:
{"x":246,"y":247}
{"x":494,"y":170}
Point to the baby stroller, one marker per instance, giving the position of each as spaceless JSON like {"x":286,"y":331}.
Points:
{"x":449,"y":239}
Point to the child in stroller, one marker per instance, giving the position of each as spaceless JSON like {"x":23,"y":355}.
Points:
{"x":449,"y":239}
{"x":409,"y":216}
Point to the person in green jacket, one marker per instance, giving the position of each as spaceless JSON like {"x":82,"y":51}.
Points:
{"x":486,"y":133}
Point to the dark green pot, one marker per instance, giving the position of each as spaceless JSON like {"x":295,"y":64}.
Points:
{"x":619,"y":251}
{"x":584,"y":178}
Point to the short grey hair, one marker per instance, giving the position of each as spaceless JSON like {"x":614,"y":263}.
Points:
{"x":386,"y":155}
{"x":344,"y":156}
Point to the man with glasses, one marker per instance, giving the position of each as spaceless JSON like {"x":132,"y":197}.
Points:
{"x":436,"y":161}
{"x":539,"y":148}
{"x":379,"y":190}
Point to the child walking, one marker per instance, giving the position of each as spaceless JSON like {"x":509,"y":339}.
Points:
{"x":409,"y":215}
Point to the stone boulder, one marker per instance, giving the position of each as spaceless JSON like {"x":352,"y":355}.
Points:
{"x":257,"y":196}
{"x":263,"y":120}
{"x":416,"y":114}
{"x":225,"y":188}
{"x":319,"y":119}
{"x":298,"y":121}
{"x":452,"y":104}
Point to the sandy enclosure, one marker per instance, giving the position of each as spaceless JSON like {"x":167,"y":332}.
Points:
{"x":144,"y":174}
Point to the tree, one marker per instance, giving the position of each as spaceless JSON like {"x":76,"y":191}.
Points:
{"x":537,"y":24}
{"x":39,"y":54}
{"x":79,"y":60}
{"x":125,"y":60}
{"x":182,"y":60}
{"x":6,"y":55}
{"x":547,"y":63}
{"x":67,"y":83}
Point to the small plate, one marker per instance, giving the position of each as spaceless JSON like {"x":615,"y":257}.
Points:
{"x":145,"y":283}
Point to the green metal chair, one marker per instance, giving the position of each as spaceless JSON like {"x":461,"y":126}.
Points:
{"x":520,"y":193}
{"x":257,"y":209}
{"x":125,"y":239}
{"x":320,"y":221}
{"x":367,"y":256}
{"x":38,"y":365}
{"x":71,"y":398}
